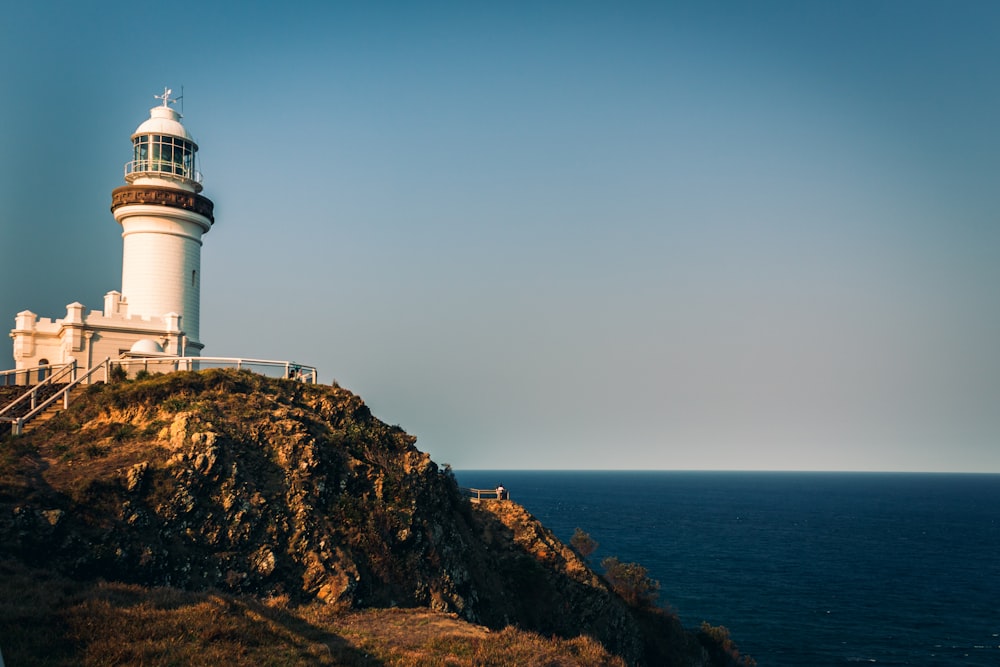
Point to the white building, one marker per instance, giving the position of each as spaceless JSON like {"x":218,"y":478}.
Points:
{"x":163,"y":218}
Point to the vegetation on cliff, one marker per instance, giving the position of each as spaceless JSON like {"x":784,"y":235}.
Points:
{"x":273,"y":499}
{"x":47,"y":619}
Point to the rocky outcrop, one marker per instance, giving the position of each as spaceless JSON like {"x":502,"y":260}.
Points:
{"x":229,"y":480}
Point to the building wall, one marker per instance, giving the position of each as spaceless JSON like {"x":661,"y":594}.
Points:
{"x":91,"y":337}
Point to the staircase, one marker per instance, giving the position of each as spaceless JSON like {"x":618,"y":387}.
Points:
{"x":16,"y":394}
{"x":43,"y":401}
{"x":9,"y":394}
{"x":42,"y":417}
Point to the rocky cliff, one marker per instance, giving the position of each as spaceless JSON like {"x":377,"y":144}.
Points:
{"x":231,"y":481}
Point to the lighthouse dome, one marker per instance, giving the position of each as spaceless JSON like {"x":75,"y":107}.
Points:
{"x":163,"y":120}
{"x":146,"y":346}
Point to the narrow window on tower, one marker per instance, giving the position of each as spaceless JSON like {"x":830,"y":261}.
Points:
{"x":194,"y":276}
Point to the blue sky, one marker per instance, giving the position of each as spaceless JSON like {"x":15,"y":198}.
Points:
{"x":706,"y":235}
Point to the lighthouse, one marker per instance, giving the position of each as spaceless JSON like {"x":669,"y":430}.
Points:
{"x":163,"y":218}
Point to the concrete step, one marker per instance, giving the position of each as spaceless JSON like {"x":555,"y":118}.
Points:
{"x":11,"y":394}
{"x":42,"y":417}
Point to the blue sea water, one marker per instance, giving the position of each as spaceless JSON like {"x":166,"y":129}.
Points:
{"x":803,"y":568}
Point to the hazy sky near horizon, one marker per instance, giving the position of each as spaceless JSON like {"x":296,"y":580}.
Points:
{"x":698,"y":235}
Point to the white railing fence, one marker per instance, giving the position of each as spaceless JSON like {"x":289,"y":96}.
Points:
{"x":28,"y":376}
{"x":479,"y":495}
{"x":133,"y":366}
{"x":278,"y":369}
{"x":64,"y":373}
{"x":17,"y":424}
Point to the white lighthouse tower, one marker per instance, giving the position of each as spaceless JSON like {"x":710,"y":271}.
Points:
{"x":163,"y":219}
{"x":153,"y":323}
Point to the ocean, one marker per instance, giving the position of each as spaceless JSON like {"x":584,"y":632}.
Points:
{"x":805,"y":569}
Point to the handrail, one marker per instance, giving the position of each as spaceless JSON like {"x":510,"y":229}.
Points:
{"x":32,"y":392}
{"x":293,"y":371}
{"x":6,"y":375}
{"x":18,"y":424}
{"x":151,"y":166}
{"x":490,"y":494}
{"x":288,"y":369}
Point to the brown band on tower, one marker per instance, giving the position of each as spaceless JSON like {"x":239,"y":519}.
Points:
{"x":162,"y":196}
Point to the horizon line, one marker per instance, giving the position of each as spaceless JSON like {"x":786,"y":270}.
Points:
{"x":737,"y":470}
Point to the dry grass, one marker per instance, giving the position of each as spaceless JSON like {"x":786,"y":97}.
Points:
{"x":424,"y":638}
{"x":48,"y":620}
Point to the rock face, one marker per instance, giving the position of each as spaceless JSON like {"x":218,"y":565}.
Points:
{"x":229,"y":480}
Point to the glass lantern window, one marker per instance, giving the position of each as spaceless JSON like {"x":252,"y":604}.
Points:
{"x":164,"y":154}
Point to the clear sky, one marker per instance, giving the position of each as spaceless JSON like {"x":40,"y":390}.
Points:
{"x":700,"y":235}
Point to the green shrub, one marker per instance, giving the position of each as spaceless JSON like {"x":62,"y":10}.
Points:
{"x":175,"y":404}
{"x":123,"y":432}
{"x":720,"y":647}
{"x":631,"y":582}
{"x":583,"y":543}
{"x":95,"y":451}
{"x":118,"y":374}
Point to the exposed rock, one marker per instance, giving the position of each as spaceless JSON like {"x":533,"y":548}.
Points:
{"x":229,"y":480}
{"x":135,"y":475}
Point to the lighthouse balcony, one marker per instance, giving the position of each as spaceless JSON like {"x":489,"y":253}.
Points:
{"x":161,"y":155}
{"x":154,"y":168}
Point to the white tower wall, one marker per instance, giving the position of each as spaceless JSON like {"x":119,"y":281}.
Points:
{"x":161,"y":264}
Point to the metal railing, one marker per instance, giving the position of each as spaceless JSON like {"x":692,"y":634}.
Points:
{"x":133,"y":366}
{"x":17,"y":423}
{"x":23,"y":376}
{"x":65,"y":373}
{"x":478,"y":495}
{"x":149,"y":166}
{"x":278,"y":369}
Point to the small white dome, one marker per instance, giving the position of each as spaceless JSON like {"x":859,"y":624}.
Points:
{"x":146,"y":346}
{"x":164,"y":120}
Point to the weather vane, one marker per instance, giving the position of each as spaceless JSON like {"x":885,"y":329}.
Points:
{"x":165,"y":97}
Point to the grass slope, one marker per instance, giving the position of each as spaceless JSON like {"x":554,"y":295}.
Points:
{"x":46,"y":619}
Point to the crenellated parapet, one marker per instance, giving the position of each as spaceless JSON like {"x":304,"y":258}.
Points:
{"x":96,"y":334}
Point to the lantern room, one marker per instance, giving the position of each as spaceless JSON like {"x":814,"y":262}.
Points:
{"x":163,"y":150}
